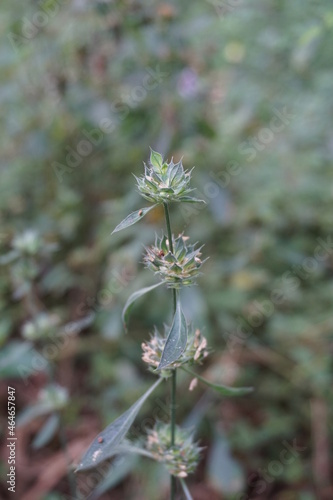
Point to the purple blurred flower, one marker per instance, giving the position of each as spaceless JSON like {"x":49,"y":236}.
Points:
{"x":188,"y":83}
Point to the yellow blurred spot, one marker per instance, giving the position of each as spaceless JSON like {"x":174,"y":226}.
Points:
{"x":156,"y":215}
{"x":234,"y":52}
{"x":247,"y":280}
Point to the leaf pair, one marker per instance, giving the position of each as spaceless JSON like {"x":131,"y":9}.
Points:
{"x":177,"y":338}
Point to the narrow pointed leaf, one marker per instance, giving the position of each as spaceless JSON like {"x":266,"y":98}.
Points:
{"x":123,"y":449}
{"x":156,"y":159}
{"x":177,"y":339}
{"x":104,"y":445}
{"x":133,"y":218}
{"x":191,"y":199}
{"x":186,"y":491}
{"x":133,"y":298}
{"x":222,"y":389}
{"x":47,"y":432}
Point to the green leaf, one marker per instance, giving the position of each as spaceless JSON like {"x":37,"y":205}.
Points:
{"x":222,"y":389}
{"x":133,"y":218}
{"x":134,"y":297}
{"x":103,"y":446}
{"x":131,"y":449}
{"x":47,"y":432}
{"x":32,"y":412}
{"x":156,"y":159}
{"x":186,"y":491}
{"x":229,"y":479}
{"x":119,"y":469}
{"x":177,"y":339}
{"x":17,"y":359}
{"x":191,"y":199}
{"x":9,"y":257}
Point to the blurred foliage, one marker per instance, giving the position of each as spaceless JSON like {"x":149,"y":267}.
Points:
{"x":243,"y":91}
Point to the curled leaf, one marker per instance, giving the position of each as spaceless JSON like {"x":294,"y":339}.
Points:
{"x":133,"y":298}
{"x":133,"y":218}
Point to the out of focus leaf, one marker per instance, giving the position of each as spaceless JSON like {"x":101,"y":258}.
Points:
{"x":47,"y":432}
{"x":119,"y":469}
{"x":31,"y":412}
{"x":20,"y":359}
{"x":224,"y":472}
{"x":9,"y":257}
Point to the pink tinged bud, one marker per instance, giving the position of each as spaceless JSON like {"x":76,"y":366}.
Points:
{"x":182,"y":474}
{"x":193,"y":384}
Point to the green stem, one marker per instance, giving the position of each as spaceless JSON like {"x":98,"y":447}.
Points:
{"x":174,"y":372}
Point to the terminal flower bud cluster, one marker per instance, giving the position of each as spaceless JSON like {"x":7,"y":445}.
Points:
{"x":165,"y":182}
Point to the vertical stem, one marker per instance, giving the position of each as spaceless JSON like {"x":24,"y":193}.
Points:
{"x":174,"y":373}
{"x":173,"y":427}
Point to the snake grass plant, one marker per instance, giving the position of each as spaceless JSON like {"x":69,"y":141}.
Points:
{"x":177,"y":263}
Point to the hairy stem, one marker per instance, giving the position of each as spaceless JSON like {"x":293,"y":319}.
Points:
{"x":174,"y":372}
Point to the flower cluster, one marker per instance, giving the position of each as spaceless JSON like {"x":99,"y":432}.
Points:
{"x":180,"y":459}
{"x":165,"y":182}
{"x":43,"y":326}
{"x":177,"y":268}
{"x":195,"y":351}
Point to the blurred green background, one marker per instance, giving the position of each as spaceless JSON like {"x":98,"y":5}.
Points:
{"x":243,"y":91}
